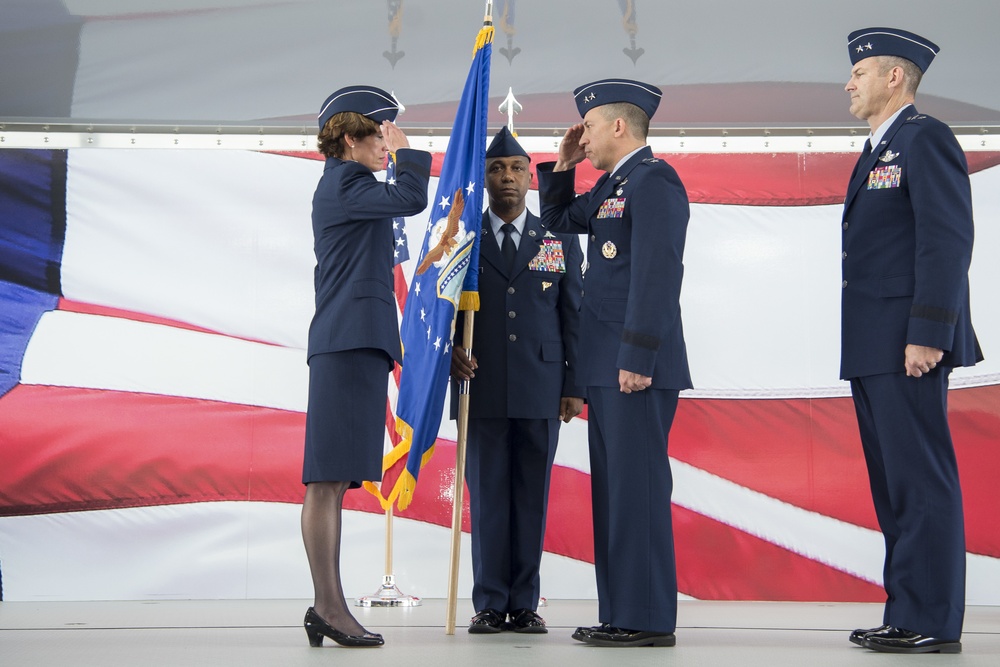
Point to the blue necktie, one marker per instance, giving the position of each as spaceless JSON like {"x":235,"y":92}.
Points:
{"x":507,"y":247}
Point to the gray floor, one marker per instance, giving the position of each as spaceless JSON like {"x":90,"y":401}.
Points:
{"x":269,"y":632}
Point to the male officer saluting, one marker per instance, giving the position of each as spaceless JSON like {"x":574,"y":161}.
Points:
{"x":907,"y":245}
{"x":522,"y":383}
{"x":633,"y":361}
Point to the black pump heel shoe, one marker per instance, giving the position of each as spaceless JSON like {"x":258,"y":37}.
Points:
{"x":317,"y":628}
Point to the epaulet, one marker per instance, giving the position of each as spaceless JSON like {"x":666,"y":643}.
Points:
{"x":918,"y":116}
{"x":651,"y":160}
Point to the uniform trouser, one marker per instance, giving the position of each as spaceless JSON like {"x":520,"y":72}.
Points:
{"x":508,"y":466}
{"x":631,"y":486}
{"x":918,"y":500}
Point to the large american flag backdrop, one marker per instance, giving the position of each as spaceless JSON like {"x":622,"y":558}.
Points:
{"x":154,"y":306}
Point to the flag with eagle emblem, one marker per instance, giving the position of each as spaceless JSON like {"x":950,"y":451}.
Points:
{"x":446,"y":280}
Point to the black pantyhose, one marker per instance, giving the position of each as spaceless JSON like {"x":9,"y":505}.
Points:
{"x":321,"y":521}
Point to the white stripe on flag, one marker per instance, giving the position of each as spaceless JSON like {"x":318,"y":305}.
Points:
{"x":229,"y":550}
{"x":221,"y":240}
{"x":92,"y":351}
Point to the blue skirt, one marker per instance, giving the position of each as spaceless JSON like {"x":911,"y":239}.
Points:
{"x":345,"y":416}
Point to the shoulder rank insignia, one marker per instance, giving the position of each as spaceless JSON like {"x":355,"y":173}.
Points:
{"x":888,"y":156}
{"x":651,"y":160}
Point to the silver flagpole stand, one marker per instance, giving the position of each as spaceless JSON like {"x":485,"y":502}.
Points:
{"x":388,"y":594}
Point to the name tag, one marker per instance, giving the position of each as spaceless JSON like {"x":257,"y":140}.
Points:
{"x":885,"y":177}
{"x":612,"y":208}
{"x":550,"y":257}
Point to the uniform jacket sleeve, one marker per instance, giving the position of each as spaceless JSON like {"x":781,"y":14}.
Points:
{"x":942,"y":209}
{"x":570,"y":294}
{"x":364,"y":197}
{"x":659,"y":213}
{"x":561,"y":209}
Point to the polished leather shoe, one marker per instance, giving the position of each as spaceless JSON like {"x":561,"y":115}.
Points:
{"x":488,"y":621}
{"x":527,"y":621}
{"x":582,"y":633}
{"x":897,"y":640}
{"x":623,"y":637}
{"x":317,"y":628}
{"x":858,"y":636}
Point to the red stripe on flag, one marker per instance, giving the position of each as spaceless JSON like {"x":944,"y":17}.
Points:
{"x":718,"y":562}
{"x":807,"y":452}
{"x":68,"y":449}
{"x":71,"y":449}
{"x":747,"y":179}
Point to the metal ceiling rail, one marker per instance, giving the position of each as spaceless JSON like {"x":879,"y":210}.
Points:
{"x":286,"y":137}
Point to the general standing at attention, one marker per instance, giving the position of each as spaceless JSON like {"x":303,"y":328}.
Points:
{"x":354,"y":335}
{"x":633,"y":362}
{"x":522,"y":383}
{"x":907,"y":245}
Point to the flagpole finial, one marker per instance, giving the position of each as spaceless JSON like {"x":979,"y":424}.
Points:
{"x":488,"y":18}
{"x":510,"y":106}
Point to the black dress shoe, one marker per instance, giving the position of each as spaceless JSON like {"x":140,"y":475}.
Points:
{"x":897,"y":640}
{"x":486,"y":622}
{"x":527,"y":621}
{"x":858,"y":636}
{"x":582,"y":633}
{"x":624,"y":637}
{"x":317,"y":628}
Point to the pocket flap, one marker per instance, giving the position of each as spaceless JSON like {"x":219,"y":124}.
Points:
{"x":372,"y":288}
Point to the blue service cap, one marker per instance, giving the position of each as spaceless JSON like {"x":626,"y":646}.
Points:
{"x":368,"y":101}
{"x":869,"y":42}
{"x":505,"y":145}
{"x":610,"y":91}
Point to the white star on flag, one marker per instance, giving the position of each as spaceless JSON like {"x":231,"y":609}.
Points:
{"x":444,"y":203}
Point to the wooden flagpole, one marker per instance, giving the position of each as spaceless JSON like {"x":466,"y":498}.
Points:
{"x":459,"y":492}
{"x":463,"y":429}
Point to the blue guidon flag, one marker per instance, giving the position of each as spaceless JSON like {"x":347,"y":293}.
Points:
{"x":446,"y":281}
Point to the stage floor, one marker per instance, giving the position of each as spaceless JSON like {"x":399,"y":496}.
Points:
{"x":269,"y":632}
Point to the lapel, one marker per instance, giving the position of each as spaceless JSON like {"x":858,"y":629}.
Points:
{"x":607,"y":184}
{"x":865,"y":167}
{"x":488,"y":247}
